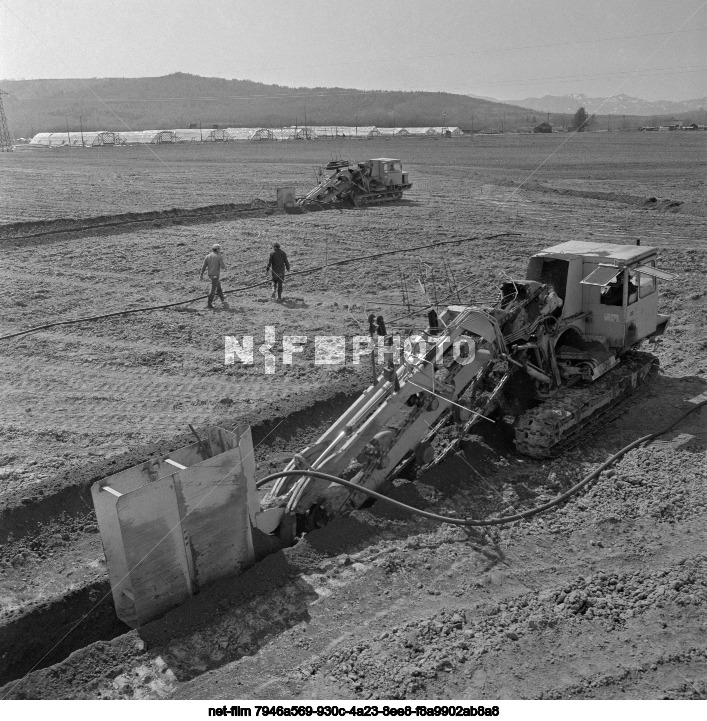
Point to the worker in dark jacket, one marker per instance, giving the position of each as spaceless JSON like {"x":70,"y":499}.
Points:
{"x":214,"y":264}
{"x":277,"y":263}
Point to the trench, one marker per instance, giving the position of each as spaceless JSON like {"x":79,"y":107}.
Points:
{"x":47,"y":632}
{"x":69,"y":495}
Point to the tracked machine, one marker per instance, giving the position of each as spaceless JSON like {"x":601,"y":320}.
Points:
{"x":380,"y":180}
{"x":555,"y":353}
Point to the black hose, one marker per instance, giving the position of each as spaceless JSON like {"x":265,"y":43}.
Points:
{"x":490,"y":521}
{"x":306,"y":271}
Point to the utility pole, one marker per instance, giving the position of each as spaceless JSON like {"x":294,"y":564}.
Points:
{"x":5,"y":142}
{"x":305,"y":122}
{"x":201,"y":134}
{"x":83,"y":144}
{"x":357,"y":125}
{"x":68,"y":135}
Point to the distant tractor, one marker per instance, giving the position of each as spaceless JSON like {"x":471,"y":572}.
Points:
{"x":380,"y":180}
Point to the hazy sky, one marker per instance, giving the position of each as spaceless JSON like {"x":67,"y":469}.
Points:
{"x":506,"y":49}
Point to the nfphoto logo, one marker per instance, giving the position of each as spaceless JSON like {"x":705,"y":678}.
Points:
{"x":337,"y":350}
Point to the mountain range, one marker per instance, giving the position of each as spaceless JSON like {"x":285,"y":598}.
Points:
{"x":614,"y":105}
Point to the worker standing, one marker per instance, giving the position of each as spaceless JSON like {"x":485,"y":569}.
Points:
{"x":214,"y":264}
{"x":277,"y":263}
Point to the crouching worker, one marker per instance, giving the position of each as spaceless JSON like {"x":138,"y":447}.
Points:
{"x":277,"y":263}
{"x":214,"y":264}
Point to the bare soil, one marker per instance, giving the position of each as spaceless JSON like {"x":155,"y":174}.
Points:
{"x":603,"y":598}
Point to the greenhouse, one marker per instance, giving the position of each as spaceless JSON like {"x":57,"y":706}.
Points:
{"x":421,"y":131}
{"x":242,"y":133}
{"x":218,"y":136}
{"x":188,"y":135}
{"x":447,"y":131}
{"x":106,"y":138}
{"x":343,"y":131}
{"x":263,"y":134}
{"x":67,"y":139}
{"x":196,"y":135}
{"x":388,"y":132}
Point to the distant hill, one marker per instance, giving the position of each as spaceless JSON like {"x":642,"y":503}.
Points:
{"x":615,"y":105}
{"x":180,"y":99}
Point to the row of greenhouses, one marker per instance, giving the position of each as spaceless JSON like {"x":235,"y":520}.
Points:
{"x":198,"y":135}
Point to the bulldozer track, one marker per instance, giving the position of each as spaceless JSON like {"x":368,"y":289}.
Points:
{"x":556,"y":426}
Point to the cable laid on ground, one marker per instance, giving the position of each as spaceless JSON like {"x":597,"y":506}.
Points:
{"x":306,"y":271}
{"x":490,"y":521}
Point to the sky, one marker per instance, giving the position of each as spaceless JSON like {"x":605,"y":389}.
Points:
{"x":504,"y":49}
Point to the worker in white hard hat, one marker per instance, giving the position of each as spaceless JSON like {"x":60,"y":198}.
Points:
{"x":214,"y":264}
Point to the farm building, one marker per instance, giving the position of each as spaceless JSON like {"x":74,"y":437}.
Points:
{"x":670,"y":125}
{"x":543,"y":128}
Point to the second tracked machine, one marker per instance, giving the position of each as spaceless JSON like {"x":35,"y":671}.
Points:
{"x":557,"y":351}
{"x":370,"y":182}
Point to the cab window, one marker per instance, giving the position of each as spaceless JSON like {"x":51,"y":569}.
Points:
{"x":646,"y":283}
{"x":632,"y":287}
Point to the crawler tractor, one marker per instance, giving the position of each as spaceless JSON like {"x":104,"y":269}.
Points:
{"x":373,"y":181}
{"x":555,"y":353}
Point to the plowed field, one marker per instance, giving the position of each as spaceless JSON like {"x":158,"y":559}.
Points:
{"x":603,"y":598}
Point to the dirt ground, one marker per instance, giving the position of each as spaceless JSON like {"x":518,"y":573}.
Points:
{"x":603,"y":598}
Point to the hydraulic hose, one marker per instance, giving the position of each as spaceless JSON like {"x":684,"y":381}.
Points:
{"x":306,"y":271}
{"x":489,"y":521}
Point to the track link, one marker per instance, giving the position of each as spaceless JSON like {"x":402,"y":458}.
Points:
{"x":545,"y":430}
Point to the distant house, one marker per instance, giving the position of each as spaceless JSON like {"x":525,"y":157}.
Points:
{"x":670,"y":125}
{"x":543,"y":128}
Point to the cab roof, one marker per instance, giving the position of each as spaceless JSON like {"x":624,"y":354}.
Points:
{"x":386,"y":160}
{"x":599,"y":252}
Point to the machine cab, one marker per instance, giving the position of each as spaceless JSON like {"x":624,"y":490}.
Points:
{"x":389,"y":171}
{"x":614,"y":288}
